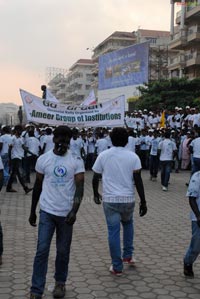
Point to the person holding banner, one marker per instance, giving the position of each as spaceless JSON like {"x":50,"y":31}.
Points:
{"x":59,"y":188}
{"x":121,"y":170}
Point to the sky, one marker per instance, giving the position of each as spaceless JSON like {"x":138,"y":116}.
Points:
{"x":37,"y":34}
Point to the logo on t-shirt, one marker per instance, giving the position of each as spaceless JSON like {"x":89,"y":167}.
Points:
{"x":60,"y":171}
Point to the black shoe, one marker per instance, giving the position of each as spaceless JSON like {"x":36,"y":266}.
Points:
{"x":27,"y":190}
{"x":33,"y":296}
{"x":59,"y":290}
{"x":188,"y":271}
{"x":1,"y":262}
{"x":11,"y":190}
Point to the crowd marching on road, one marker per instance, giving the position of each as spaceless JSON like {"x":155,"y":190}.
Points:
{"x":162,"y":141}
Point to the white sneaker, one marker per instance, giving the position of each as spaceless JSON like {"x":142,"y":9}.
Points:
{"x":129,"y":261}
{"x":115,"y":272}
{"x":164,"y":188}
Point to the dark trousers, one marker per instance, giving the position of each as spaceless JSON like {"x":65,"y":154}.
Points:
{"x":153,"y":165}
{"x":15,"y":171}
{"x":143,"y":158}
{"x":89,"y":161}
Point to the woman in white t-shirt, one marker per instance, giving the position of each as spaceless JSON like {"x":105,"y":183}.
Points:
{"x":59,"y":188}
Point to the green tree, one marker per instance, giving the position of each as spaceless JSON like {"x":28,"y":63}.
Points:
{"x":167,"y":94}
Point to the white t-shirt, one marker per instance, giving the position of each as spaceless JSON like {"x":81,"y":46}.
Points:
{"x":76,"y":145}
{"x":91,"y":145}
{"x":194,"y":191}
{"x":154,"y":146}
{"x":196,"y":147}
{"x":33,"y":145}
{"x":6,"y":139}
{"x":132,"y":141}
{"x":196,"y":120}
{"x":17,"y":150}
{"x":48,"y":140}
{"x":167,"y":148}
{"x":58,"y":185}
{"x":117,"y":165}
{"x":101,"y":145}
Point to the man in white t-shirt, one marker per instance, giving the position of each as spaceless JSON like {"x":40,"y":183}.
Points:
{"x":193,"y":250}
{"x":132,"y":141}
{"x":47,"y":142}
{"x":16,"y":153}
{"x":77,"y":144}
{"x":59,"y":188}
{"x":167,"y":150}
{"x":120,"y":169}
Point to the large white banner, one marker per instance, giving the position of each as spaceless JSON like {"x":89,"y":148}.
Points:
{"x":109,"y":114}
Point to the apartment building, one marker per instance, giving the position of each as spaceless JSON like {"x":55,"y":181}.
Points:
{"x":76,"y":85}
{"x":158,"y":51}
{"x":185,"y":39}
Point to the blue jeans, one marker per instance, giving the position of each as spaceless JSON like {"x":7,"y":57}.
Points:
{"x":165,"y":172}
{"x":194,"y":248}
{"x":47,"y":225}
{"x":195,"y":165}
{"x":116,"y":213}
{"x":153,"y":165}
{"x":5,"y":161}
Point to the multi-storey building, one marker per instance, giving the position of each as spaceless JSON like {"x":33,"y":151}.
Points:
{"x":158,"y":52}
{"x":76,"y":85}
{"x":78,"y":81}
{"x":185,"y":39}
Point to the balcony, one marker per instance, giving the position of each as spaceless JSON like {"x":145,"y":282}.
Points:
{"x":179,"y":40}
{"x":192,"y":11}
{"x":177,"y":62}
{"x":61,"y":93}
{"x":193,"y":36}
{"x":192,"y":59}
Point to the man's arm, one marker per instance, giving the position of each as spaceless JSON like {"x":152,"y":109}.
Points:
{"x":195,"y":209}
{"x":78,"y":196}
{"x":95,"y":185}
{"x":140,"y":189}
{"x":37,"y":189}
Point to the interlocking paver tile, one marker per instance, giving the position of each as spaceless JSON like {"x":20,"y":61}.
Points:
{"x":161,"y":238}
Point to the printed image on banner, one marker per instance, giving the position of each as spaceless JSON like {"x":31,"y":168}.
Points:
{"x":124,"y":67}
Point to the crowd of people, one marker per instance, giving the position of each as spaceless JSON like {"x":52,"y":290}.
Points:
{"x":149,"y":140}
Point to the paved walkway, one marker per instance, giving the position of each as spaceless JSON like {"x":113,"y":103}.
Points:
{"x":161,"y":238}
